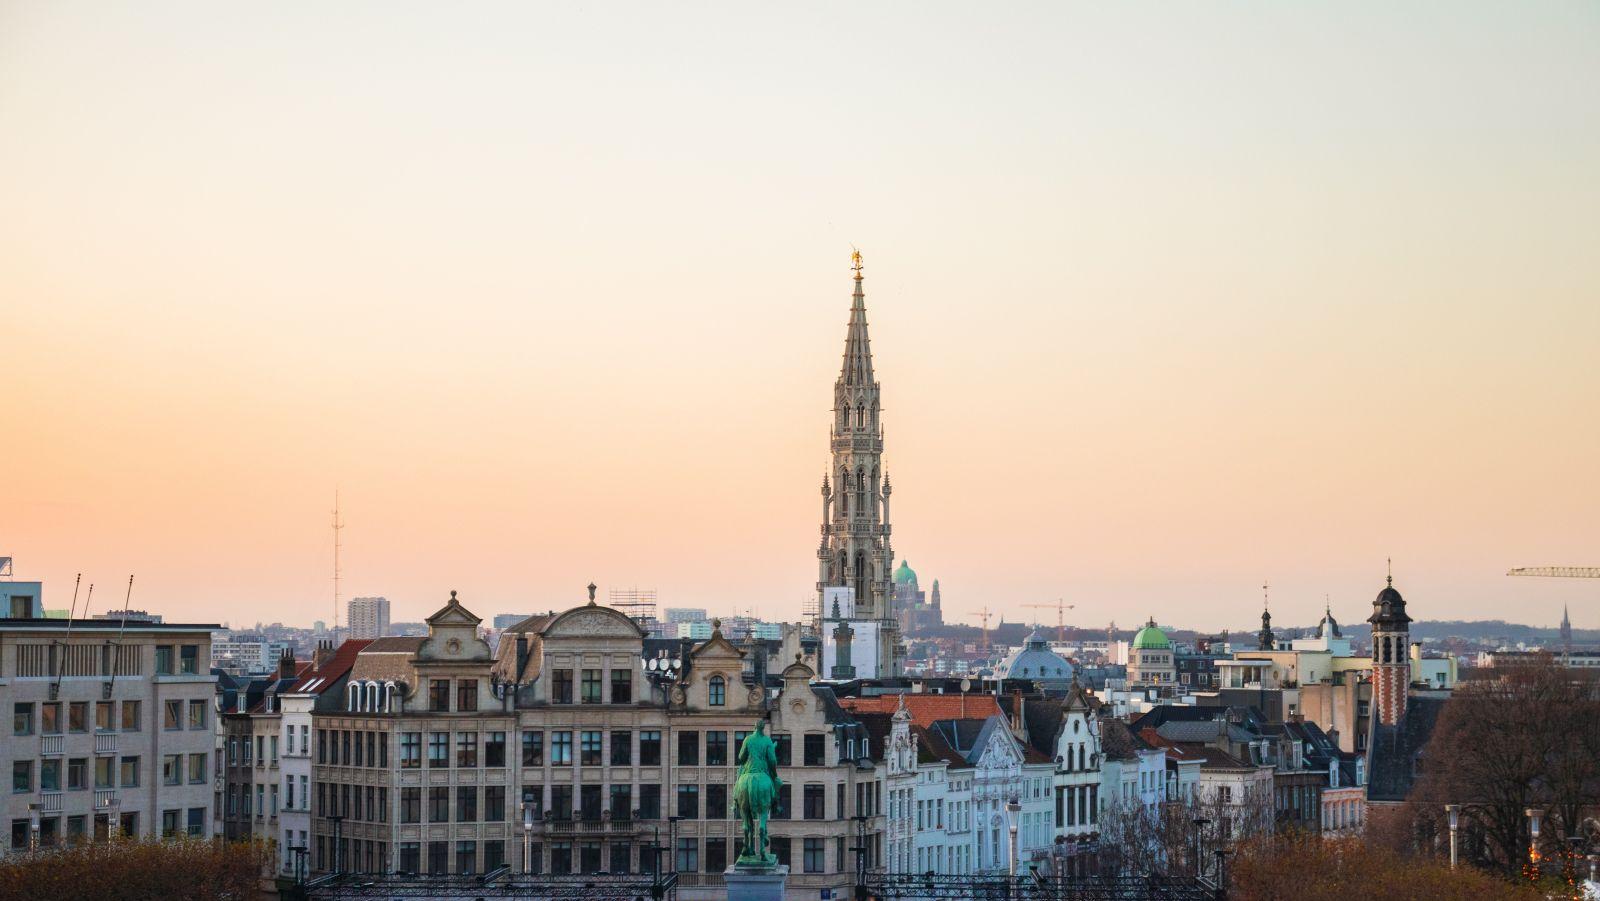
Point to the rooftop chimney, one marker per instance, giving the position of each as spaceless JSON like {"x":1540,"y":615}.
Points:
{"x":322,"y":654}
{"x":286,"y":664}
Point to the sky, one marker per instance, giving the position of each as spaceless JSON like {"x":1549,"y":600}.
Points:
{"x":1167,"y":301}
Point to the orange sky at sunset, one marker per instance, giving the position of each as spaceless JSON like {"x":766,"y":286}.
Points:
{"x":1165,"y":301}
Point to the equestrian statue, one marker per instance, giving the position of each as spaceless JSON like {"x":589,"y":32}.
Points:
{"x":755,"y":796}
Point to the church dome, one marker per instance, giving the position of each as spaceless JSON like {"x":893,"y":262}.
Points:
{"x":1034,"y":660}
{"x":905,"y":574}
{"x":1151,"y":638}
{"x":1389,"y":607}
{"x":1329,"y":627}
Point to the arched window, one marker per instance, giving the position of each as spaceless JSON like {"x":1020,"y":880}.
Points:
{"x":719,"y":691}
{"x":353,"y":696}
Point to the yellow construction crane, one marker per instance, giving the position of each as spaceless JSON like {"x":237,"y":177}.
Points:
{"x":984,"y":616}
{"x":1061,"y":607}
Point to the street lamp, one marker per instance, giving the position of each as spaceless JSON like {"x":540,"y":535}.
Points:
{"x":1453,"y":811}
{"x":1012,"y":809}
{"x":672,"y":841}
{"x":1534,"y":815}
{"x":527,"y":835}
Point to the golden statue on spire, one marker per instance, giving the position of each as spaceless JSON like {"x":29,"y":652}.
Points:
{"x":855,"y":258}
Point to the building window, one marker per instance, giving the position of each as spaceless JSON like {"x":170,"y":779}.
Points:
{"x":719,"y":691}
{"x":494,"y":749}
{"x":650,"y":802}
{"x":716,"y":748}
{"x":622,"y":802}
{"x":439,"y":695}
{"x":812,"y":862}
{"x":131,"y":721}
{"x":532,"y":748}
{"x":78,"y":716}
{"x":22,"y":719}
{"x":439,"y":804}
{"x":494,"y":804}
{"x":621,"y":748}
{"x":410,"y":750}
{"x":561,"y":802}
{"x":689,"y":802}
{"x":814,"y":750}
{"x":590,"y":748}
{"x":779,"y":845}
{"x":589,"y":802}
{"x":129,"y":777}
{"x":783,"y":748}
{"x":650,"y":748}
{"x":410,"y":857}
{"x":591,"y":686}
{"x":621,"y":854}
{"x":22,"y":776}
{"x":716,"y":803}
{"x":815,"y":802}
{"x":716,"y":855}
{"x":561,"y":688}
{"x":560,"y":858}
{"x":189,"y":659}
{"x":163,"y":659}
{"x":494,"y":855}
{"x":466,"y":749}
{"x":78,"y":772}
{"x":438,"y":750}
{"x":467,"y":804}
{"x":621,"y":686}
{"x":688,"y":855}
{"x":410,"y":806}
{"x":197,"y":714}
{"x":467,"y":695}
{"x":783,"y":807}
{"x":466,"y":857}
{"x":561,"y":749}
{"x":688,"y":748}
{"x":438,"y":858}
{"x":171,"y":769}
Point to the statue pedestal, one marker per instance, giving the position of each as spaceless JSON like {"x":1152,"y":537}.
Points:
{"x":755,"y":884}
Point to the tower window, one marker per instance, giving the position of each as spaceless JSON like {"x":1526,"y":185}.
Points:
{"x":719,"y":691}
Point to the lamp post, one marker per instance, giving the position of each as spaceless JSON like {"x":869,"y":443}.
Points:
{"x":33,"y":827}
{"x":1012,"y":809}
{"x":1200,"y":824}
{"x":1453,"y":811}
{"x":113,"y":819}
{"x":527,"y":835}
{"x":1534,"y":816}
{"x":338,"y":841}
{"x":861,"y":856}
{"x":672,"y":841}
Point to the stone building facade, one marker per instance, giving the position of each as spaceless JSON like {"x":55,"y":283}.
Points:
{"x":112,"y":729}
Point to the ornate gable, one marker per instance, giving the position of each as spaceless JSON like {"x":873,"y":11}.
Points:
{"x":592,"y":621}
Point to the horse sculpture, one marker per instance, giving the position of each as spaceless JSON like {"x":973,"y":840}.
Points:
{"x":754,"y":794}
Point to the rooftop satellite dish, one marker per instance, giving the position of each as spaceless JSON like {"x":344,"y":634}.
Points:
{"x":966,"y":684}
{"x":650,"y":664}
{"x":677,"y":663}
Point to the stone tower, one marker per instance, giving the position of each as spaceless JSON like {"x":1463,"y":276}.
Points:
{"x":855,"y":550}
{"x":1391,"y":654}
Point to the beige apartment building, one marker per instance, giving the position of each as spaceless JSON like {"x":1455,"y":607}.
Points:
{"x":112,"y":729}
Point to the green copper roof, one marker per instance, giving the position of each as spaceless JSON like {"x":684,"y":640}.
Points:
{"x":1151,"y":637}
{"x":904,"y":574}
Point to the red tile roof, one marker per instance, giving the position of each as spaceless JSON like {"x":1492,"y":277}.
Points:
{"x":335,"y":667}
{"x":926,"y":709}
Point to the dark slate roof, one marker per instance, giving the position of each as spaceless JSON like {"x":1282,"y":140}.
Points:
{"x":408,"y":644}
{"x":1247,"y":718}
{"x":1395,"y":750}
{"x":1041,"y":716}
{"x":1119,"y":741}
{"x":931,"y":748}
{"x":878,"y":727}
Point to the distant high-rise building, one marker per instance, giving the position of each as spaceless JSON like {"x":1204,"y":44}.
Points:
{"x":369,"y":617}
{"x":685,"y":614}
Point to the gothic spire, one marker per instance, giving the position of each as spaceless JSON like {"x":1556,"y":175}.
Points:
{"x":857,"y":368}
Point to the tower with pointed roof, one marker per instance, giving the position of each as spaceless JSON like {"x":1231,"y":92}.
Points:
{"x":1264,"y":639}
{"x":855,"y":551}
{"x":1566,"y":634}
{"x":1391,"y":654}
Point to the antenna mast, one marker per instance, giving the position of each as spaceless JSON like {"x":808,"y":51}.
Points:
{"x":337,"y":525}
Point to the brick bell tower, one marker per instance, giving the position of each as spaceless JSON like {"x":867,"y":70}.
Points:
{"x":1391,"y":654}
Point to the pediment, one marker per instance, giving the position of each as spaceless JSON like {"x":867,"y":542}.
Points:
{"x":716,"y":647}
{"x":453,"y":614}
{"x":590,"y":622}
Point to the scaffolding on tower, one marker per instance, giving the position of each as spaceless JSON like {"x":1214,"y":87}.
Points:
{"x":639,"y":604}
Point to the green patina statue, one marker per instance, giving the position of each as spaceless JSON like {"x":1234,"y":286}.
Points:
{"x":755,"y":795}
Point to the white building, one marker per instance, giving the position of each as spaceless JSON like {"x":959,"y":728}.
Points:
{"x":327,"y":676}
{"x":112,"y":729}
{"x":369,"y":617}
{"x":1076,"y":782}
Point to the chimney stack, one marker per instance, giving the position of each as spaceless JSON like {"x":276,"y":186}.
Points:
{"x":323,"y":653}
{"x":286,"y":664}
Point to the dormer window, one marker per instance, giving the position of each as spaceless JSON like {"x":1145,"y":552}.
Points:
{"x":718,"y":688}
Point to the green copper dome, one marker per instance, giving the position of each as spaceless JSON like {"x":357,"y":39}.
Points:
{"x":1151,"y":638}
{"x":904,"y":574}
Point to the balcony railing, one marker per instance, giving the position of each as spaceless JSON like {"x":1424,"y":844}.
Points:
{"x":52,"y":745}
{"x":580,"y":824}
{"x":105,"y":742}
{"x":50,"y":802}
{"x":104,"y":798}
